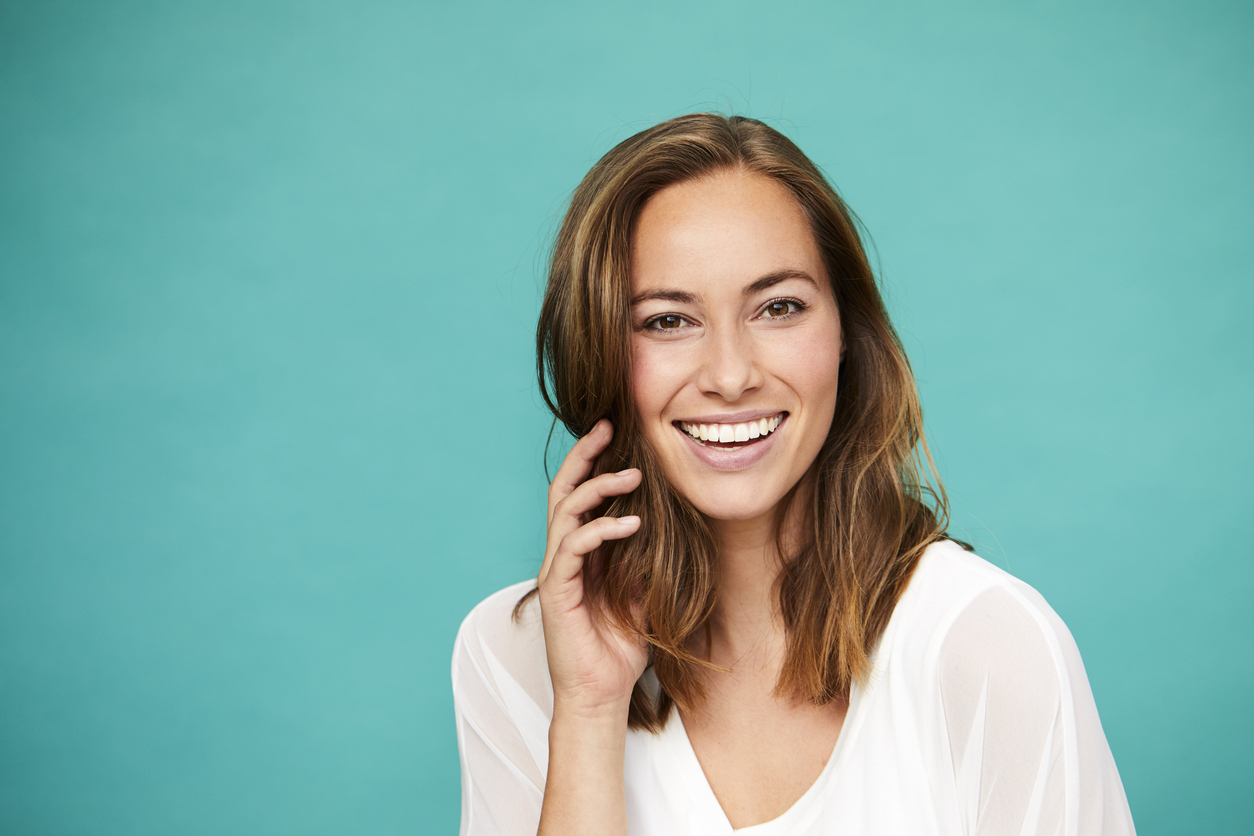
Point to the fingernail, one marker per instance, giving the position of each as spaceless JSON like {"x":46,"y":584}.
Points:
{"x":624,"y":472}
{"x":632,"y":520}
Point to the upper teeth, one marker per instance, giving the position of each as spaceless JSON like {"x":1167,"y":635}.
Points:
{"x":727,"y":433}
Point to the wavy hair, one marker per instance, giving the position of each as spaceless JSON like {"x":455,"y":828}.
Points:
{"x":868,"y":512}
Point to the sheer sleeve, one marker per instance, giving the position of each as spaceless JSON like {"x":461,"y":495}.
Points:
{"x":1029,"y":754}
{"x":503,"y":702}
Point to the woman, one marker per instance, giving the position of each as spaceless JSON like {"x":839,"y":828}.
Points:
{"x":749,"y":616}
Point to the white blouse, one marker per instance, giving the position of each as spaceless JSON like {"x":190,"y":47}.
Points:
{"x":977,"y":719}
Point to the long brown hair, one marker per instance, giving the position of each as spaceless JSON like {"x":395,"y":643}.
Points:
{"x":870,"y":512}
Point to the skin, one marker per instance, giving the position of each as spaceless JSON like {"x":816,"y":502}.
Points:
{"x":732,"y":313}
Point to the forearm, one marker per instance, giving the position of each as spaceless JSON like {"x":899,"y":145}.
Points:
{"x":583,"y":792}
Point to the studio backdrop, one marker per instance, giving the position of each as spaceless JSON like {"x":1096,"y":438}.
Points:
{"x":269,"y":274}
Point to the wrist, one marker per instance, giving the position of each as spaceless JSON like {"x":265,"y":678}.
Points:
{"x":578,"y":713}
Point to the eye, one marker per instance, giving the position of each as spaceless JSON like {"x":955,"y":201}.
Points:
{"x":665,"y":322}
{"x":782,"y":308}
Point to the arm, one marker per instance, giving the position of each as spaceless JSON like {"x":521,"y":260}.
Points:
{"x":1029,"y":754}
{"x":502,"y":712}
{"x":503,"y":703}
{"x":585,"y":785}
{"x":593,"y":665}
{"x":531,"y":701}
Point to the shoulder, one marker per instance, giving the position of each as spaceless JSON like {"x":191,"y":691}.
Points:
{"x":502,"y":702}
{"x":493,"y":614}
{"x":948,"y":570}
{"x":949,"y":580}
{"x":962,"y":614}
{"x":505,"y":656}
{"x":995,"y":673}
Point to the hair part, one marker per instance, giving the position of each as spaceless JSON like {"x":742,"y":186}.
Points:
{"x":867,"y":510}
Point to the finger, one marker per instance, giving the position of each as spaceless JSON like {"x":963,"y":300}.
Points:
{"x":567,"y":561}
{"x":568,"y":514}
{"x":579,"y":461}
{"x":592,"y":493}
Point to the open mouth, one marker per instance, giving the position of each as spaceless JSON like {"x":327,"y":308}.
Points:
{"x":732,"y":436}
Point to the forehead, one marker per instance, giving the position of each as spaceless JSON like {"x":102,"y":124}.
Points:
{"x":728,"y":228}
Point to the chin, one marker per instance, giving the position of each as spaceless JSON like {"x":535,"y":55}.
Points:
{"x":742,"y":504}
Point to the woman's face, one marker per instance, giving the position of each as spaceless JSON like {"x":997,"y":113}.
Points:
{"x":736,"y":341}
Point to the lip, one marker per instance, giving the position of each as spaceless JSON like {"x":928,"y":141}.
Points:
{"x":733,"y":459}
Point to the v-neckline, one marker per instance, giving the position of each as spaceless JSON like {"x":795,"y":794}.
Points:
{"x":799,"y":814}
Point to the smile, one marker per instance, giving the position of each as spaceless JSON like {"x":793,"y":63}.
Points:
{"x":732,"y":433}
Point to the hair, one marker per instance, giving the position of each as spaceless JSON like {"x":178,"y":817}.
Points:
{"x":867,"y":512}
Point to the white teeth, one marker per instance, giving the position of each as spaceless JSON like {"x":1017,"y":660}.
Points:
{"x":732,"y":433}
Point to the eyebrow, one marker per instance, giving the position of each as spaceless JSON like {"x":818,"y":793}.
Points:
{"x":682,"y":297}
{"x":772,"y":279}
{"x":678,"y":296}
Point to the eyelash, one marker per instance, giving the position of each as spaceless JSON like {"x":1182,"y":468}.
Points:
{"x":798,"y":305}
{"x":651,"y":323}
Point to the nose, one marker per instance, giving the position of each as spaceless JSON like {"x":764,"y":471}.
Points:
{"x":729,"y":367}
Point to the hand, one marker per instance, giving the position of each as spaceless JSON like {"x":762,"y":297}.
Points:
{"x":593,"y":663}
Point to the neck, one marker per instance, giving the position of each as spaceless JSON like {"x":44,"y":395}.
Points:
{"x":746,"y":615}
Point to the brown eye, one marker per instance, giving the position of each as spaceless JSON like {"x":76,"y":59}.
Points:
{"x":667,"y":322}
{"x":778,"y":308}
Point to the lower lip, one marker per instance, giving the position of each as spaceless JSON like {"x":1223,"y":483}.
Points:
{"x":732,"y":458}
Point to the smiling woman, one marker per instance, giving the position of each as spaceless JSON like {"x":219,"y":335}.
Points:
{"x":749,"y":616}
{"x":731,"y":328}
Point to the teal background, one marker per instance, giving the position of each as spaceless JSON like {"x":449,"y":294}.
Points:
{"x":268,"y":280}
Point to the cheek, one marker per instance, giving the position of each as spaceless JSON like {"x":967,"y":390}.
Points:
{"x":815,"y":358}
{"x":654,"y":379}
